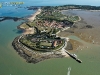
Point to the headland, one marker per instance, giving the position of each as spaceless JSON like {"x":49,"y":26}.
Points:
{"x":42,"y":38}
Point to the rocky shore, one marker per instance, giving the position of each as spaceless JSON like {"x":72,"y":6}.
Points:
{"x":32,"y":56}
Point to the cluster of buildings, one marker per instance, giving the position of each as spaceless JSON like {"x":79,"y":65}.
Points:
{"x":51,"y":24}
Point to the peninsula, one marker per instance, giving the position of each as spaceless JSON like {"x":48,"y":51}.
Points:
{"x":40,"y":40}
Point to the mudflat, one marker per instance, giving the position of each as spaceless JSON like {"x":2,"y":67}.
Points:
{"x":87,"y":29}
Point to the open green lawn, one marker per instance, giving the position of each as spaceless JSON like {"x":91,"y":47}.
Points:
{"x":24,"y":26}
{"x":72,"y":18}
{"x":45,"y":44}
{"x":28,"y":42}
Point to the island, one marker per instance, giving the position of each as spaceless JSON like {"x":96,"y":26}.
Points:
{"x":40,"y":39}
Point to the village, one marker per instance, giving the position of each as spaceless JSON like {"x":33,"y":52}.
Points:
{"x":40,"y":39}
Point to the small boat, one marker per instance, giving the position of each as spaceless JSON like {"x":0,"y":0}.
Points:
{"x":74,"y":55}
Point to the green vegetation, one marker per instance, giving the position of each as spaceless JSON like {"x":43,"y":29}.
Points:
{"x":46,"y":25}
{"x":66,"y":7}
{"x":72,"y":18}
{"x":24,"y":26}
{"x":45,"y":44}
{"x":43,"y":41}
{"x":50,"y":13}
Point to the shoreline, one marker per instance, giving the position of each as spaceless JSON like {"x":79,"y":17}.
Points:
{"x":78,"y":20}
{"x":72,"y":15}
{"x":31,"y":56}
{"x":81,"y":9}
{"x":32,"y":18}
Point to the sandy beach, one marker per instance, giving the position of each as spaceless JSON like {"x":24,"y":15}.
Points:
{"x":34,"y":15}
{"x":27,"y":29}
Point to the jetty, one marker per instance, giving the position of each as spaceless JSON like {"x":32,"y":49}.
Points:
{"x":74,"y":56}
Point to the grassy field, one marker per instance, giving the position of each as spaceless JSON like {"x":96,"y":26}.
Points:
{"x":28,"y":42}
{"x":72,"y":18}
{"x":45,"y":44}
{"x":24,"y":26}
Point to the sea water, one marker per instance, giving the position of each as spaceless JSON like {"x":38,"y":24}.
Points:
{"x":12,"y":63}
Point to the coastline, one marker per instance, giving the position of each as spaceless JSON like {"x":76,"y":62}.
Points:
{"x":30,"y":55}
{"x":85,"y":29}
{"x":62,"y":11}
{"x":32,"y":18}
{"x":81,"y":9}
{"x":14,"y":64}
{"x":29,"y":30}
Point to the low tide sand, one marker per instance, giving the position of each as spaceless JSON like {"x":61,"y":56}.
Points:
{"x":34,"y":15}
{"x":89,"y":35}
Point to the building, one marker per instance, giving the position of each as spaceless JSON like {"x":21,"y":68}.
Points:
{"x":54,"y":44}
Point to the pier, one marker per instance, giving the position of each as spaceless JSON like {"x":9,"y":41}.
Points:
{"x":73,"y":56}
